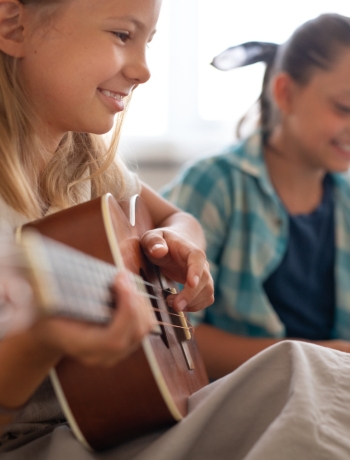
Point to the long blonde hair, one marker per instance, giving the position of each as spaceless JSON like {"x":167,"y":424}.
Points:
{"x":80,"y":156}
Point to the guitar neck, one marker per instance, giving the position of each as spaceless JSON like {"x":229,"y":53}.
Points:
{"x":68,"y":282}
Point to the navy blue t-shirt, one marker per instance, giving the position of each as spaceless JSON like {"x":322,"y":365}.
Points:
{"x":301,"y":290}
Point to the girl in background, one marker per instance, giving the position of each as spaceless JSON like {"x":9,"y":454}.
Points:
{"x":275,"y":207}
{"x":66,"y":68}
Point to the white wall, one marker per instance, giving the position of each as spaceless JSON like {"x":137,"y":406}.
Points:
{"x":188,"y":108}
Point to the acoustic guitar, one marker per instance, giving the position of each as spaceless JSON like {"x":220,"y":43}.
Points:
{"x":73,"y":256}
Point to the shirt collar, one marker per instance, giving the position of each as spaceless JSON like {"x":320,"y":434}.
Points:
{"x":248,"y":156}
{"x":342,"y":186}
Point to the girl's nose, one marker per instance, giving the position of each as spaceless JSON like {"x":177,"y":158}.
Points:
{"x":137,"y":70}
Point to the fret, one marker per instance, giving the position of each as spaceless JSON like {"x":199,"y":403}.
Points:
{"x":143,"y":291}
{"x":71,"y":283}
{"x":74,"y":284}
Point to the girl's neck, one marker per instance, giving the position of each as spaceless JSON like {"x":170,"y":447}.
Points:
{"x":298,"y":183}
{"x":49,"y":143}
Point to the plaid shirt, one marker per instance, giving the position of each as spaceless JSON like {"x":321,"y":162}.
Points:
{"x":246,"y":227}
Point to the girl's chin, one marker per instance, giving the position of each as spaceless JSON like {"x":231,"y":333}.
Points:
{"x":101,"y":129}
{"x":340,"y":168}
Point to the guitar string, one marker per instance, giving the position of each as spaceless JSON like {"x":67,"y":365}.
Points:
{"x":173,"y":314}
{"x":139,"y":280}
{"x":21,"y":264}
{"x":145,"y":294}
{"x":189,"y":329}
{"x":150,"y":296}
{"x":189,"y":326}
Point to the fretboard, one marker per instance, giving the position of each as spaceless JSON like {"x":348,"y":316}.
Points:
{"x":69,"y":282}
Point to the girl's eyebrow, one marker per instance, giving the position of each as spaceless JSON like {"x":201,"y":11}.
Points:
{"x":140,"y":25}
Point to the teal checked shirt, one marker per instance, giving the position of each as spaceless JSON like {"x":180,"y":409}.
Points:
{"x":246,"y":227}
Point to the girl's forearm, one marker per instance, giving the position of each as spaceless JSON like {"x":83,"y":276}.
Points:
{"x":165,"y":214}
{"x":24,"y":363}
{"x":224,"y":352}
{"x":186,"y":225}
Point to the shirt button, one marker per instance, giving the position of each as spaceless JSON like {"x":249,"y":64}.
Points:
{"x":278,"y":222}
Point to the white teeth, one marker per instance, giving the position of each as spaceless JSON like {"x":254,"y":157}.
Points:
{"x":345,"y":147}
{"x":107,"y":93}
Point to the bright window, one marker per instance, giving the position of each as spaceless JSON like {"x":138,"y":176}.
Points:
{"x":188,"y":108}
{"x":223,"y":23}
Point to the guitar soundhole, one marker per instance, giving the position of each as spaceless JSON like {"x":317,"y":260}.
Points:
{"x":153,"y":296}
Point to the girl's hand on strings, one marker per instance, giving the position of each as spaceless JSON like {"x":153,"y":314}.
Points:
{"x":183,"y":262}
{"x":102,"y":345}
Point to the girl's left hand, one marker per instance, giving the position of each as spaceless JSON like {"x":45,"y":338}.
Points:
{"x":183,"y":262}
{"x":16,"y":304}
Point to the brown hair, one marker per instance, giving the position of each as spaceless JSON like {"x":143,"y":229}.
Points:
{"x":317,"y":44}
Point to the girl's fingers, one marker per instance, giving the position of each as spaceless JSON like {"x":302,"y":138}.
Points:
{"x":196,"y":303}
{"x":183,"y":262}
{"x":193,"y":299}
{"x":200,"y":304}
{"x":200,"y":293}
{"x":197,"y":265}
{"x":154,"y":244}
{"x":105,"y":345}
{"x":135,"y":306}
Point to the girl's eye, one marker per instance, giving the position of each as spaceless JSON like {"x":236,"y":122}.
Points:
{"x":123,"y":36}
{"x":343,"y":108}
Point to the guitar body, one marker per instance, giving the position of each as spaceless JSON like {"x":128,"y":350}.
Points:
{"x":149,"y":390}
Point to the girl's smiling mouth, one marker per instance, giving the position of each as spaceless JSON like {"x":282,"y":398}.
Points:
{"x":113,"y":99}
{"x":343,"y":148}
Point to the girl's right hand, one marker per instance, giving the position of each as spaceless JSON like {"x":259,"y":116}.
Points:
{"x":101,"y":345}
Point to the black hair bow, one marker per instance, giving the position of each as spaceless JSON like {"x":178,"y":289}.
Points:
{"x":245,"y":54}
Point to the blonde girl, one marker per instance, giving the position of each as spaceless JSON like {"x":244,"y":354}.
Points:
{"x":68,"y":68}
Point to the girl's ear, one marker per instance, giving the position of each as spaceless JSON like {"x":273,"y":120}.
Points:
{"x":11,"y":28}
{"x":283,"y":88}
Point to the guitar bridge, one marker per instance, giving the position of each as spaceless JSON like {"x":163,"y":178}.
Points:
{"x":182,"y":330}
{"x":179,"y":319}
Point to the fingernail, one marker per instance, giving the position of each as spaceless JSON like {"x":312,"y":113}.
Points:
{"x":157,"y":246}
{"x":182,"y":305}
{"x":196,"y":281}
